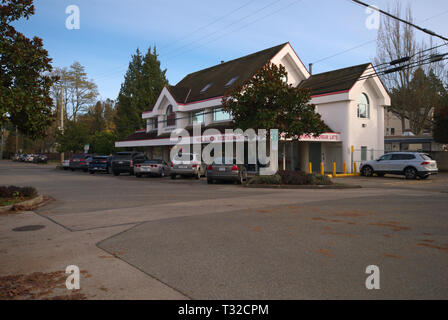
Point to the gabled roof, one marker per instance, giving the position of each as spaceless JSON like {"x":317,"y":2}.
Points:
{"x":189,"y":88}
{"x":334,"y":81}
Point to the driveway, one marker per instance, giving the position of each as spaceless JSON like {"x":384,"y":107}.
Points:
{"x":177,"y":239}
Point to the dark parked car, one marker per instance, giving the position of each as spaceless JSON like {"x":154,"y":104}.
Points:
{"x":40,"y":158}
{"x":226,"y":169}
{"x":80,"y":161}
{"x":123,"y":162}
{"x":100,"y":164}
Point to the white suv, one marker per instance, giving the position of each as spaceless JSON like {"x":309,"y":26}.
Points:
{"x":409,"y":164}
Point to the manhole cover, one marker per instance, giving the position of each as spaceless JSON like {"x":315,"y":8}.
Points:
{"x":29,"y":228}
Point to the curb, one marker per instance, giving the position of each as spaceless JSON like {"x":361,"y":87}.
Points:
{"x":283,"y":186}
{"x":28,"y":203}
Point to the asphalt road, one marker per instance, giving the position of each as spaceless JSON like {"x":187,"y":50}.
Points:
{"x":186,"y":239}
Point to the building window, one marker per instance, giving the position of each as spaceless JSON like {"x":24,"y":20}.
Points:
{"x":153,"y":122}
{"x":206,"y":87}
{"x":197,"y":117}
{"x":363,"y":107}
{"x":170,"y":116}
{"x":363,"y":153}
{"x":392,"y":131}
{"x":231,"y":81}
{"x":221,"y":115}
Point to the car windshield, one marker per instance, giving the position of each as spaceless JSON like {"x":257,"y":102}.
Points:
{"x":184,"y":157}
{"x":122,"y":155}
{"x":224,"y":161}
{"x":154,"y":161}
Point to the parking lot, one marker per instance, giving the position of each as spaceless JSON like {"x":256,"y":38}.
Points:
{"x":157,"y":238}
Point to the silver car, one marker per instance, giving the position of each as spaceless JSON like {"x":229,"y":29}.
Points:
{"x":151,"y":167}
{"x":226,"y":169}
{"x":409,"y":164}
{"x":187,"y":164}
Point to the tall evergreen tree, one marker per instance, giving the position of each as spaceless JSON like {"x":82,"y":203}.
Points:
{"x":143,"y":82}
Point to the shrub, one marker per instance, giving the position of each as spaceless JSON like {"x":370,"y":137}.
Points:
{"x":318,"y":179}
{"x":275,"y":179}
{"x":294,"y":177}
{"x":15,"y":192}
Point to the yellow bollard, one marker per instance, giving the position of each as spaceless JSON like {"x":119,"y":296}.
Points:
{"x":334,"y":169}
{"x":354,"y":167}
{"x":310,"y":167}
{"x":322,"y":168}
{"x":345,"y":168}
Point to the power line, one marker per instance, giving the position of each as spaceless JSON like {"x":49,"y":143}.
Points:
{"x":370,"y":41}
{"x":238,"y":28}
{"x":201,"y":28}
{"x":432,"y":33}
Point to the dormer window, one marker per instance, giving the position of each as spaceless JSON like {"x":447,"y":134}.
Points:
{"x":231,"y":81}
{"x":363,"y":107}
{"x":206,"y":87}
{"x":170,"y":116}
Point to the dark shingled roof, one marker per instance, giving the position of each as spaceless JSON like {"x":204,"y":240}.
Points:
{"x":333,"y":81}
{"x":189,"y":88}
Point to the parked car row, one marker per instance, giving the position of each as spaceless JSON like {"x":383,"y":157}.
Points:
{"x":136,"y":163}
{"x":30,"y":157}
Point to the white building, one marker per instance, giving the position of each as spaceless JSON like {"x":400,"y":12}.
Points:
{"x":351,"y":102}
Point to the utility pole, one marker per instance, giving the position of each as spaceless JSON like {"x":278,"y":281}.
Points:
{"x":62,"y":119}
{"x":17,"y":140}
{"x":2,"y":142}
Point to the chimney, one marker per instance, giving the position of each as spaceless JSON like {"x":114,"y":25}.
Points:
{"x":311,"y":68}
{"x":222,"y":61}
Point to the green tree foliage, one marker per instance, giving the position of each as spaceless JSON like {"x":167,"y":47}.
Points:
{"x":143,"y":82}
{"x":268,"y":102}
{"x":441,"y":120}
{"x":25,"y":79}
{"x":99,"y":117}
{"x":103,"y":143}
{"x":75,"y":136}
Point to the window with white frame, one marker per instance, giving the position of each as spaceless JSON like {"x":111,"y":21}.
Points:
{"x":197,"y":117}
{"x":220,"y":115}
{"x":363,"y":106}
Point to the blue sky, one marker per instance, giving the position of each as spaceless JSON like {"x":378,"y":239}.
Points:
{"x":192,"y":35}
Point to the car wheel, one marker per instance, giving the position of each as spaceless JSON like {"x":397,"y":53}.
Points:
{"x":138,"y":175}
{"x":173,"y":176}
{"x":162,"y":173}
{"x":410,"y":173}
{"x":116,"y":173}
{"x":209,"y":181}
{"x":91,"y":172}
{"x":108,"y":170}
{"x":367,"y":171}
{"x":65,"y":169}
{"x":72,"y":169}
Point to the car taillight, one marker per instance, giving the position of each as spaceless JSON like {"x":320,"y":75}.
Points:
{"x":172,"y":165}
{"x":210,"y":168}
{"x":425,"y":163}
{"x":137,"y":166}
{"x":235,"y":168}
{"x":82,"y":160}
{"x":103,"y":161}
{"x":195,"y":166}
